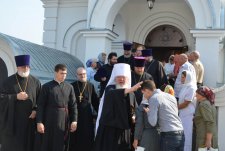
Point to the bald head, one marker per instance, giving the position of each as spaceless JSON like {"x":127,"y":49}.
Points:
{"x":195,"y":55}
{"x":183,"y":58}
{"x":81,"y":74}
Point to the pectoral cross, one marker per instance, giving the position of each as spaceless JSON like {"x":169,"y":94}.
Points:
{"x":80,"y":97}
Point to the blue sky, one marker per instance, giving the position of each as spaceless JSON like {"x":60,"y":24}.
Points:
{"x":22,"y":19}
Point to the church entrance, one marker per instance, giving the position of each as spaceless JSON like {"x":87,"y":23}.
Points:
{"x":166,"y":40}
{"x":3,"y":71}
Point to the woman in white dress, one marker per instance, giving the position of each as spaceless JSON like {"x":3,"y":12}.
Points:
{"x":186,"y":107}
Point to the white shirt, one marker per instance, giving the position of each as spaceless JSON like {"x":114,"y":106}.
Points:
{"x":168,"y":68}
{"x":187,"y":93}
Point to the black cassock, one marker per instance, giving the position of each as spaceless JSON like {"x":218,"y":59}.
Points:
{"x":17,"y":128}
{"x":104,"y":71}
{"x":114,"y":126}
{"x":129,"y":61}
{"x":56,"y":110}
{"x":135,"y":78}
{"x":156,"y":70}
{"x":82,"y":139}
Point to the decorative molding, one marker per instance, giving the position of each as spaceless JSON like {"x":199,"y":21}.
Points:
{"x":72,"y":28}
{"x":71,"y":3}
{"x":162,"y":18}
{"x":207,"y":32}
{"x":100,"y":33}
{"x":50,"y":3}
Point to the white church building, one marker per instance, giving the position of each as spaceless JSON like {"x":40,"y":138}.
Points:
{"x":85,"y":28}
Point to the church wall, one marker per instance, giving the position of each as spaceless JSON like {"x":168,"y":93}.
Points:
{"x":78,"y":47}
{"x":67,"y":17}
{"x":61,"y":21}
{"x":139,"y":24}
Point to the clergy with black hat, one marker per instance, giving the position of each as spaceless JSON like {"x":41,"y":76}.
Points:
{"x":139,"y":75}
{"x":155,"y":68}
{"x":127,"y":56}
{"x":18,"y":97}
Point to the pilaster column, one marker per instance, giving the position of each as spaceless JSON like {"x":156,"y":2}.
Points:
{"x":50,"y":23}
{"x":207,"y":43}
{"x":97,"y":41}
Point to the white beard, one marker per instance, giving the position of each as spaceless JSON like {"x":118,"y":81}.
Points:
{"x":23,"y":74}
{"x":118,"y":86}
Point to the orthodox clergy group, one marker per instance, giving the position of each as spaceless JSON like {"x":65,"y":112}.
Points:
{"x":129,"y":112}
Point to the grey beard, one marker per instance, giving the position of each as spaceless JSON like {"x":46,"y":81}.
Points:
{"x":23,"y":74}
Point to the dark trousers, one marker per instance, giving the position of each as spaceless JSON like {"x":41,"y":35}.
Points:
{"x":172,"y":141}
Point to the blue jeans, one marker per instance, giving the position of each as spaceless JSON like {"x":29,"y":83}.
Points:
{"x":172,"y":142}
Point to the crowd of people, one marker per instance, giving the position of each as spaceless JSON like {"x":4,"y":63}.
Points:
{"x":116,"y":104}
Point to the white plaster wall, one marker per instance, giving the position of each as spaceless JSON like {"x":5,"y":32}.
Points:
{"x":201,"y":11}
{"x":66,"y":18}
{"x":120,"y":28}
{"x":106,"y":10}
{"x":60,"y":16}
{"x":210,"y":64}
{"x":97,"y":41}
{"x":78,"y":47}
{"x":71,"y":39}
{"x":50,"y":24}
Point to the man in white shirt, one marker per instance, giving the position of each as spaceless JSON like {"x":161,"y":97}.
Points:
{"x":169,"y":70}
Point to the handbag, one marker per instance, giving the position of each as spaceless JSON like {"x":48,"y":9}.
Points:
{"x":206,"y":149}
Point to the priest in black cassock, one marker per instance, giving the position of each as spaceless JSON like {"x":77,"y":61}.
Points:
{"x":155,"y":68}
{"x":87,"y":104}
{"x":56,"y":112}
{"x":127,"y":56}
{"x":18,"y":96}
{"x":139,"y":75}
{"x":115,"y":112}
{"x":103,"y":73}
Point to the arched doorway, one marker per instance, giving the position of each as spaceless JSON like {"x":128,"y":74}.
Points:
{"x":166,"y":40}
{"x":4,"y":71}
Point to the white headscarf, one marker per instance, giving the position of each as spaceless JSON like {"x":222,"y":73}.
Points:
{"x":189,"y":80}
{"x":187,"y":86}
{"x":119,"y":69}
